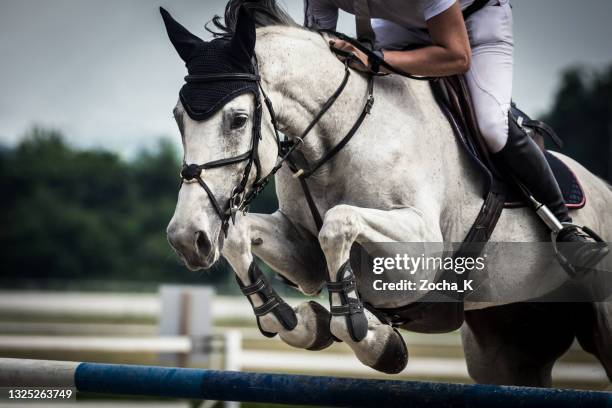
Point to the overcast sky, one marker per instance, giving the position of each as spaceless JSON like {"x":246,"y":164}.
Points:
{"x":105,"y":74}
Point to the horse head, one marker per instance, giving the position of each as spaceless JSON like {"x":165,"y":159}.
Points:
{"x":219,"y":115}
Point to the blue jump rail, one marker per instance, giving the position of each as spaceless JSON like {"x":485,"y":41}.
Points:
{"x":188,"y":383}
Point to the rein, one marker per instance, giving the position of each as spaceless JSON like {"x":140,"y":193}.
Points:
{"x":373,"y":57}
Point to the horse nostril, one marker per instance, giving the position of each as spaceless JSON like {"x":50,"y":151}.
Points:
{"x":202,"y":243}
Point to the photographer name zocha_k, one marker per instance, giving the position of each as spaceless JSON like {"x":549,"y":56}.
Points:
{"x":423,"y":285}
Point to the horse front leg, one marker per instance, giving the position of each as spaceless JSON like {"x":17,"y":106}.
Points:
{"x":376,"y":344}
{"x":296,"y":256}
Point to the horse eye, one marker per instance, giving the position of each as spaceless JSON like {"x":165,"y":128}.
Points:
{"x":239,"y":120}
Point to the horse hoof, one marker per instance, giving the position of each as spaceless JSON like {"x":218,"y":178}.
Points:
{"x":324,"y":337}
{"x":394,"y":356}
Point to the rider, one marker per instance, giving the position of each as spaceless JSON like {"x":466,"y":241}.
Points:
{"x":431,"y":38}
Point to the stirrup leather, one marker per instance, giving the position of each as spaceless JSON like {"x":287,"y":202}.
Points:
{"x":271,"y":302}
{"x":351,"y":308}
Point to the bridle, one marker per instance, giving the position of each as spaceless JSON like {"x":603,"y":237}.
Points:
{"x":242,"y":196}
{"x":191,"y":173}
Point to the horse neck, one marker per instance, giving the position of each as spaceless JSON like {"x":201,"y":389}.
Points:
{"x":300,"y":74}
{"x":298,"y":87}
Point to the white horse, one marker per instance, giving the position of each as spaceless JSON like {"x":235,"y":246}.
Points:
{"x":402,"y":178}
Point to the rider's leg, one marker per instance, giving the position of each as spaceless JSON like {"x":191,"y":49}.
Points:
{"x":527,"y":162}
{"x":490,"y":84}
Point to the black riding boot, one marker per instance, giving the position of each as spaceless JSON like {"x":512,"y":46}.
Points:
{"x":527,"y":163}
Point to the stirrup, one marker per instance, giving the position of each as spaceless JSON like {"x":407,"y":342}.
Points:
{"x":351,"y":308}
{"x":571,"y":269}
{"x":556,"y":228}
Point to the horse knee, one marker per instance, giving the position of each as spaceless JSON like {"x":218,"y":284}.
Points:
{"x":340,"y":226}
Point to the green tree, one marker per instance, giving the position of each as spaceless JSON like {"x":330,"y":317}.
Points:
{"x":582,"y":115}
{"x":83,"y":215}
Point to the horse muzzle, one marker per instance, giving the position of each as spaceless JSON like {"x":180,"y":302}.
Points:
{"x":195,"y":247}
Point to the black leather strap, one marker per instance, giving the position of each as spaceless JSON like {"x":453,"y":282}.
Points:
{"x":253,"y":288}
{"x":363,"y":24}
{"x":350,"y":308}
{"x":341,"y":286}
{"x":540,"y":127}
{"x":271,"y":302}
{"x":312,"y":206}
{"x":267,"y":307}
{"x":473,"y":8}
{"x":354,"y":306}
{"x":304,"y":174}
{"x":375,"y":62}
{"x":238,"y":76}
{"x":349,"y":135}
{"x":224,"y":162}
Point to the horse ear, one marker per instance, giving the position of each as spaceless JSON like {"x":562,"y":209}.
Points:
{"x":185,"y":43}
{"x":243,"y":41}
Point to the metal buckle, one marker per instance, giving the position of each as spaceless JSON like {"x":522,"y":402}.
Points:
{"x":369,"y":104}
{"x":299,"y":142}
{"x":235,"y":203}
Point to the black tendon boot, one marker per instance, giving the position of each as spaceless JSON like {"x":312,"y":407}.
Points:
{"x":527,"y":163}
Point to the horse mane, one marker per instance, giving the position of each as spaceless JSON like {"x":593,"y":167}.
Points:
{"x":264,"y":12}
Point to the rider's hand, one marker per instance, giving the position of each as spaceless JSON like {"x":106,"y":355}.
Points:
{"x":341,"y":45}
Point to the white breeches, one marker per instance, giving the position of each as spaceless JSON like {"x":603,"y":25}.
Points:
{"x":490,"y":76}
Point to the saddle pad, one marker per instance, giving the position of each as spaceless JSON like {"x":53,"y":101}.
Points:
{"x":573,"y":194}
{"x":461,"y":114}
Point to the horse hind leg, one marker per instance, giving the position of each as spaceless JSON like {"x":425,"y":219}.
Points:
{"x":282,"y":247}
{"x":516,"y":344}
{"x":594,"y":332}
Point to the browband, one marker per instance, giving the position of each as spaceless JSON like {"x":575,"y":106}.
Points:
{"x":222,"y":77}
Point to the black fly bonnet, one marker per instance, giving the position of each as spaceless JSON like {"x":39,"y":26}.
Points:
{"x":213,"y":79}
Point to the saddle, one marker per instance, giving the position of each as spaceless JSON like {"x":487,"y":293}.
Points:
{"x":454,"y":99}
